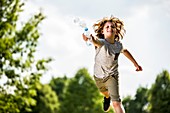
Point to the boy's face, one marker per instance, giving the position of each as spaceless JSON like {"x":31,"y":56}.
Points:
{"x":109,"y":30}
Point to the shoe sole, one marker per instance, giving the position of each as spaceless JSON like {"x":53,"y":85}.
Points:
{"x":107,"y":109}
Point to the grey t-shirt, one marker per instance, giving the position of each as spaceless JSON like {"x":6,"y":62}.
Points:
{"x":106,"y":59}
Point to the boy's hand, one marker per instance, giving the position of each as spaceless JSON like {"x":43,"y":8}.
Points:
{"x":84,"y":37}
{"x":138,"y":68}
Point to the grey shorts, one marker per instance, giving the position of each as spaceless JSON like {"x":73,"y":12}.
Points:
{"x":110,"y":84}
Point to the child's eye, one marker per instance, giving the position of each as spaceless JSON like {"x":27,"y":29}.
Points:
{"x":107,"y":27}
{"x":113,"y":26}
{"x":110,"y":26}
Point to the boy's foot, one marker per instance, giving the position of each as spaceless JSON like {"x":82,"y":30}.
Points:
{"x":106,"y":104}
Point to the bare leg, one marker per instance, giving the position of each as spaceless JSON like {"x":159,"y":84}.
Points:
{"x":118,"y":107}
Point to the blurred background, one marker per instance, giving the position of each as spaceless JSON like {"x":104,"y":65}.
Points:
{"x":42,"y":51}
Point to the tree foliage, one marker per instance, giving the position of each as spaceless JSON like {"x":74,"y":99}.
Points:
{"x":153,"y":100}
{"x":138,"y":103}
{"x":58,"y":85}
{"x":47,"y":100}
{"x":159,"y":94}
{"x":81,"y":95}
{"x":19,"y":71}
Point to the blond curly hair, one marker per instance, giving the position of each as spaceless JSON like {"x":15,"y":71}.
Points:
{"x":120,"y":31}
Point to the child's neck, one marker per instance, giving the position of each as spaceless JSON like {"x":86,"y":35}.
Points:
{"x":110,"y":40}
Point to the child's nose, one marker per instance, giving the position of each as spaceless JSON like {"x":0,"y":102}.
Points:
{"x":110,"y":27}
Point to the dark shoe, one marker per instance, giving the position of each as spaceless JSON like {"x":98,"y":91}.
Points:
{"x":106,"y":104}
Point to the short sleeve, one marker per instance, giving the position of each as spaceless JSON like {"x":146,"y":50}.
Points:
{"x":102,"y":41}
{"x":122,"y":48}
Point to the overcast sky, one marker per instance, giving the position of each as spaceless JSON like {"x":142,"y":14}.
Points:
{"x":147,"y":24}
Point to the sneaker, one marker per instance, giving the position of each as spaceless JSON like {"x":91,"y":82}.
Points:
{"x":106,"y":104}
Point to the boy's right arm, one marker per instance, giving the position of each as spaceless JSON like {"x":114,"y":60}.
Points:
{"x":95,"y":41}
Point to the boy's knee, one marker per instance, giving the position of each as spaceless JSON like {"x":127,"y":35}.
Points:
{"x":116,"y":104}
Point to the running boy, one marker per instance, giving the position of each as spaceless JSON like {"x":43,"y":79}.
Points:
{"x":107,"y":44}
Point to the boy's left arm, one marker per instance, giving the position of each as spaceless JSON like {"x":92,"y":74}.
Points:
{"x":130,"y":57}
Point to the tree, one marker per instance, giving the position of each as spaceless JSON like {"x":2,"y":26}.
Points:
{"x":81,"y":95}
{"x":47,"y":100}
{"x":138,"y":104}
{"x":126,"y":102}
{"x":17,"y":63}
{"x":159,"y":99}
{"x":58,"y":85}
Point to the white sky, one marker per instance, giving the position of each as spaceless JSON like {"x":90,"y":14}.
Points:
{"x":147,"y":23}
